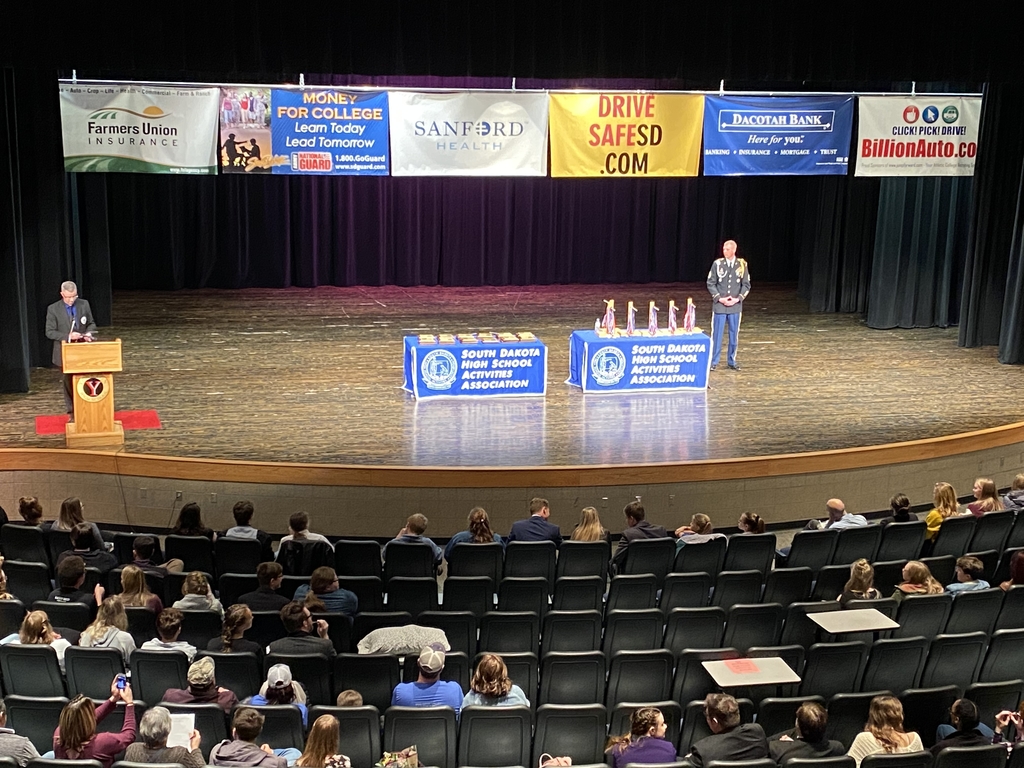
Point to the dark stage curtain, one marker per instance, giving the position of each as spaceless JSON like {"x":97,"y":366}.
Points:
{"x":986,"y":304}
{"x":1011,"y":332}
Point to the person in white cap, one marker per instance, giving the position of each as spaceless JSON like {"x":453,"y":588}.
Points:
{"x":429,"y":690}
{"x":279,"y":688}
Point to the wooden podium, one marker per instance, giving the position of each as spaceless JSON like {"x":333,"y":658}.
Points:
{"x":92,"y":366}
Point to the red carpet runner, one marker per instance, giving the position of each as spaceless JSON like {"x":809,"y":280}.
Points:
{"x":54,"y":425}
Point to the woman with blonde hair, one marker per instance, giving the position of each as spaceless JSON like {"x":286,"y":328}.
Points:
{"x":986,"y":498}
{"x":109,"y":629}
{"x":645,"y":743}
{"x":75,"y":737}
{"x":699,"y":531}
{"x":322,"y":746}
{"x":4,"y":594}
{"x":944,"y":499}
{"x":884,"y":732}
{"x":861,"y":585}
{"x":135,"y":591}
{"x":197,"y":595}
{"x":917,"y":580}
{"x":71,"y":515}
{"x":492,"y":687}
{"x":37,"y":630}
{"x":589,"y":527}
{"x":478,"y":531}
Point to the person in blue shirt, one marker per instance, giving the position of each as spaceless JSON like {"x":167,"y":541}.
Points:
{"x":412,"y":533}
{"x":279,"y":688}
{"x":324,"y":585}
{"x":968,"y":573}
{"x":429,"y":690}
{"x":479,"y":532}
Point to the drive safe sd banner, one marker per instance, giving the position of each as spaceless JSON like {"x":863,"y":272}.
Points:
{"x":777,"y":136}
{"x":329,"y":131}
{"x":625,"y":134}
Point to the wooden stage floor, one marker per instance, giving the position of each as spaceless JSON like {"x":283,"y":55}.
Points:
{"x":315,"y":376}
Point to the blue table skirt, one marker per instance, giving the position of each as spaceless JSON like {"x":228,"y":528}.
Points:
{"x":507,"y":369}
{"x":639,"y":363}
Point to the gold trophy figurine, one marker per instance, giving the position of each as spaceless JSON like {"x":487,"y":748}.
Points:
{"x":609,"y":317}
{"x":630,"y":319}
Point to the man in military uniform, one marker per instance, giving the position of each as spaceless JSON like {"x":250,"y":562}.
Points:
{"x":729,"y":284}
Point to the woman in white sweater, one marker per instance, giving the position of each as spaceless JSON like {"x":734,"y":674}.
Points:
{"x":884,"y":731}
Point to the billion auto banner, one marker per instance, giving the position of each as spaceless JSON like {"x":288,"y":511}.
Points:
{"x":625,"y":134}
{"x":139,"y":129}
{"x":777,"y":136}
{"x":311,"y":131}
{"x":468,"y":133}
{"x":921,"y":136}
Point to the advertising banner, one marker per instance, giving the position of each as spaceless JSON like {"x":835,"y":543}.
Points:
{"x":468,"y":134}
{"x":625,"y":134}
{"x":139,"y":128}
{"x":480,"y":370}
{"x":920,"y":136}
{"x":245,"y":130}
{"x":630,"y":363}
{"x":777,"y":136}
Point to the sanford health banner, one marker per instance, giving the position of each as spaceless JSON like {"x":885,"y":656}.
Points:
{"x":625,"y":134}
{"x":920,"y":136}
{"x":140,"y":129}
{"x":777,"y":136}
{"x":468,"y":133}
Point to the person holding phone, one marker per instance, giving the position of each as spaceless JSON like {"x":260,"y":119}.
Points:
{"x":76,"y":738}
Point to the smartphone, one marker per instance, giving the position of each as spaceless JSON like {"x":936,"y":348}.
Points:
{"x":122,"y":682}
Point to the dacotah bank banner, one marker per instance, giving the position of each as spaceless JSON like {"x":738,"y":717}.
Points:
{"x":625,"y":134}
{"x":468,"y":134}
{"x":139,"y":129}
{"x":922,"y":136}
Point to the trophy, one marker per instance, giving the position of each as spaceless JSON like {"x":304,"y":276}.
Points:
{"x":690,"y":318}
{"x":630,"y":319}
{"x":652,"y":319}
{"x":609,"y":317}
{"x":672,"y":317}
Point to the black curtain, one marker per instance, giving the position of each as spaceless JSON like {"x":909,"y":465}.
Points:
{"x":1011,"y":333}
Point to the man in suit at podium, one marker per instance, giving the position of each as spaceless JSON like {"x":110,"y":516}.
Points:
{"x":69,"y":319}
{"x":536,"y":527}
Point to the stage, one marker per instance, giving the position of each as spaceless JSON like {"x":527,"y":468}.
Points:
{"x":315,"y":375}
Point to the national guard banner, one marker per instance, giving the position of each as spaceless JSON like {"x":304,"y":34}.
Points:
{"x":139,"y":128}
{"x":917,"y":136}
{"x":777,"y":136}
{"x":468,"y":133}
{"x":625,"y":134}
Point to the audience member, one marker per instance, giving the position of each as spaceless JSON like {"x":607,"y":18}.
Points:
{"x":75,"y":738}
{"x":270,"y":575}
{"x":109,"y":629}
{"x":71,"y":577}
{"x":1004,"y":720}
{"x":168,"y":627}
{"x":298,"y":530}
{"x":838,"y":518}
{"x":946,"y":506}
{"x":412,"y":533}
{"x":154,"y":728}
{"x":884,"y":731}
{"x":637,"y":527}
{"x":645,"y":744}
{"x":1014,"y":499}
{"x":986,"y":498}
{"x":142,"y":553}
{"x":241,"y":751}
{"x":807,"y":739}
{"x":350,"y":698}
{"x":861,"y":585}
{"x":899,"y":505}
{"x":728,"y":740}
{"x":323,"y":584}
{"x":197,"y":595}
{"x":492,"y":687}
{"x":322,"y":746}
{"x":917,"y":580}
{"x":31,"y":512}
{"x":968,"y":573}
{"x":190,"y":522}
{"x":18,"y":748}
{"x":478,"y":531}
{"x":243,"y":529}
{"x":4,"y":594}
{"x":1016,"y":572}
{"x":536,"y":527}
{"x":279,"y":688}
{"x":237,"y":620}
{"x":86,"y":546}
{"x":699,"y":531}
{"x":135,"y":590}
{"x":299,"y":625}
{"x":37,"y":630}
{"x":589,"y":527}
{"x":202,"y":687}
{"x":71,"y":515}
{"x":429,"y":690}
{"x":965,"y":720}
{"x":750,"y":522}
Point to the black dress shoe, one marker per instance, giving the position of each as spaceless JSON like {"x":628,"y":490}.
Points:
{"x":735,"y":366}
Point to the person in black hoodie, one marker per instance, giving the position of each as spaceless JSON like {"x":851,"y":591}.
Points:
{"x":964,"y":716}
{"x":807,"y":740}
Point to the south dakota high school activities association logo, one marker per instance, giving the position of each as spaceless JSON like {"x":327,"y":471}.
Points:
{"x":439,"y":369}
{"x":608,"y":365}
